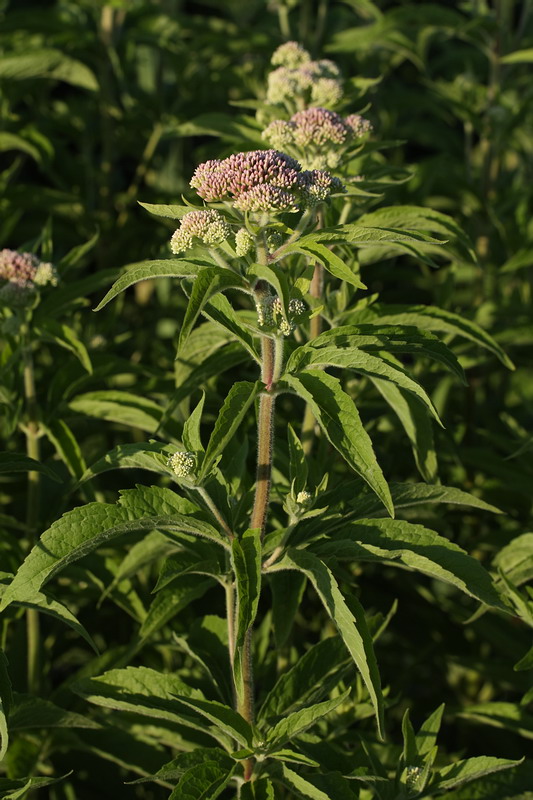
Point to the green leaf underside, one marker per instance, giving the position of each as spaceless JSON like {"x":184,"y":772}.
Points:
{"x":416,"y":547}
{"x":122,"y":407}
{"x":171,"y":600}
{"x":300,"y":785}
{"x":247,"y":564}
{"x":299,"y":721}
{"x":238,"y":401}
{"x":338,"y":417}
{"x":352,"y":629}
{"x":209,"y":282}
{"x":145,"y":270}
{"x":470,"y":769}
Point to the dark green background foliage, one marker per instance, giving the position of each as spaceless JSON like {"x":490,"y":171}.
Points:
{"x":103,"y":105}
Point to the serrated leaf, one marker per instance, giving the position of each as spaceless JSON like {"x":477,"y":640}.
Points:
{"x":47,"y":63}
{"x":220,"y":310}
{"x":19,"y":462}
{"x":287,"y":592}
{"x":352,"y":629}
{"x":18,"y":787}
{"x":152,"y":456}
{"x":277,"y":278}
{"x":470,"y":769}
{"x":311,"y":678}
{"x":171,"y":600}
{"x":339,"y":419}
{"x":299,"y":721}
{"x":298,"y":469}
{"x":82,"y":530}
{"x":516,"y":559}
{"x":367,"y":364}
{"x":237,"y":402}
{"x":144,"y":270}
{"x":53,"y":608}
{"x":64,"y":441}
{"x":222,"y":716}
{"x":298,"y":784}
{"x":209,"y":282}
{"x":419,"y":549}
{"x":204,"y":781}
{"x":247,"y":564}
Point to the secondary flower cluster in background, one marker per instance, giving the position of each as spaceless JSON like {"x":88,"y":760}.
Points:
{"x":298,"y":81}
{"x":23,"y":274}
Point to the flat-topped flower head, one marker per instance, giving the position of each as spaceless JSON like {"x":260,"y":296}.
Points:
{"x":319,"y":137}
{"x":268,"y":198}
{"x":25,"y":270}
{"x":290,"y":54}
{"x":319,"y":185}
{"x":207,"y":226}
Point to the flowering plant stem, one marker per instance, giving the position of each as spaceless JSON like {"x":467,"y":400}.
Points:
{"x":31,"y":431}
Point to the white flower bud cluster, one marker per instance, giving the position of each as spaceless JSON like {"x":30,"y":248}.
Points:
{"x":208,"y":226}
{"x":270,"y":314}
{"x":290,"y":54}
{"x":244,"y":242}
{"x":182,"y":463}
{"x":304,"y":498}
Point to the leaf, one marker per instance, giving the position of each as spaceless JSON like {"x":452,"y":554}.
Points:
{"x":204,"y":781}
{"x":470,"y":769}
{"x":210,"y":281}
{"x":175,"y":769}
{"x":352,"y":629}
{"x":144,"y":270}
{"x":81,"y":531}
{"x":313,"y":676}
{"x":19,"y":787}
{"x":389,"y":338}
{"x":416,"y":424}
{"x":10,"y":141}
{"x":234,"y":408}
{"x":151,"y":456}
{"x":35,"y":712}
{"x":509,"y":716}
{"x":367,"y":364}
{"x":277,"y":278}
{"x":298,"y":784}
{"x":433,"y":318}
{"x":426,"y":738}
{"x":19,"y":462}
{"x":299,"y":721}
{"x":162,"y":210}
{"x":64,"y":441}
{"x":330,"y":261}
{"x":222,"y":717}
{"x":191,"y":430}
{"x":53,"y":608}
{"x":339,"y":419}
{"x":247,"y":565}
{"x":518,"y":57}
{"x":171,"y":600}
{"x":76,"y":254}
{"x":123,"y":407}
{"x":207,"y":643}
{"x":516,"y":559}
{"x":65,"y":337}
{"x":6,"y":700}
{"x":47,"y":63}
{"x":298,"y":469}
{"x":419,"y":549}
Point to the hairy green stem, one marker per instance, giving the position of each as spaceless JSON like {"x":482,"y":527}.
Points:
{"x":215,"y":512}
{"x":32,"y":513}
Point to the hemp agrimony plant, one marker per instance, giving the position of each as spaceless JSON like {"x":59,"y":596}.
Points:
{"x":285,"y":499}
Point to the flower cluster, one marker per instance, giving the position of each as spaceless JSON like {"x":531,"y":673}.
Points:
{"x":25,"y":270}
{"x":22,"y":275}
{"x":300,"y":81}
{"x":304,"y":498}
{"x":182,"y":463}
{"x":270,"y":314}
{"x":208,"y":226}
{"x":261,"y":181}
{"x":244,"y":242}
{"x":317,"y":136}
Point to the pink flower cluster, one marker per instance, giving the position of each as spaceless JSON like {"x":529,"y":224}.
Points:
{"x":260,"y":181}
{"x":25,"y":270}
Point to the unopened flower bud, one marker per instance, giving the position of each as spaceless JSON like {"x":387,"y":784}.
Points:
{"x":243,"y":242}
{"x":182,"y":463}
{"x":304,"y":497}
{"x":207,"y":225}
{"x":297,"y":307}
{"x":290,"y":54}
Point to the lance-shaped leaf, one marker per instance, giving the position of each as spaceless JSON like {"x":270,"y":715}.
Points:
{"x":66,"y":445}
{"x":19,"y":462}
{"x":508,"y":716}
{"x":220,"y":310}
{"x":470,"y":769}
{"x":367,"y":364}
{"x":122,"y":407}
{"x":18,"y":787}
{"x":65,"y":337}
{"x":81,"y":531}
{"x":338,"y":417}
{"x":313,"y":676}
{"x":171,"y":600}
{"x":175,"y":769}
{"x":163,"y":210}
{"x":151,"y":456}
{"x":247,"y":563}
{"x":299,"y":785}
{"x":35,"y":712}
{"x":416,"y":424}
{"x":222,"y":716}
{"x":236,"y":404}
{"x":330,"y":261}
{"x":299,"y":721}
{"x":432,"y":318}
{"x":210,"y":281}
{"x":145,"y":270}
{"x":276,"y":277}
{"x":384,"y":338}
{"x":204,"y":781}
{"x":191,"y":430}
{"x":352,"y":629}
{"x":416,"y":547}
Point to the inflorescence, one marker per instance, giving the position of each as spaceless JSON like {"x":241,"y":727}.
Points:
{"x":22,"y":275}
{"x":263,"y":181}
{"x":299,"y":81}
{"x":182,"y":463}
{"x":270,"y":314}
{"x":318,"y":137}
{"x":207,"y":226}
